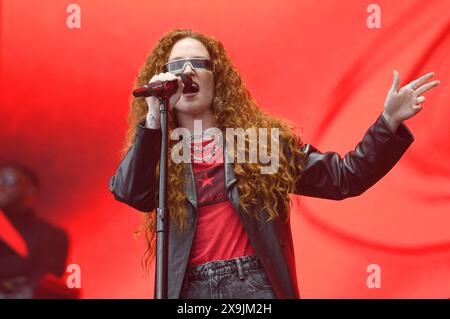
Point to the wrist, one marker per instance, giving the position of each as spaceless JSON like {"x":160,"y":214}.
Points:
{"x":152,"y":121}
{"x":391,"y":123}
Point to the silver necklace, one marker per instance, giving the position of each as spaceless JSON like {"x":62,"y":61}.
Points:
{"x":213,"y":143}
{"x":209,"y":155}
{"x":204,"y":158}
{"x":205,"y":133}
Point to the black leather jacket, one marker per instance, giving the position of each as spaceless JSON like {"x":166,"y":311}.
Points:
{"x":326,"y":175}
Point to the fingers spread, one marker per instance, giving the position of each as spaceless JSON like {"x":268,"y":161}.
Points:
{"x":423,"y":78}
{"x":426,"y":87}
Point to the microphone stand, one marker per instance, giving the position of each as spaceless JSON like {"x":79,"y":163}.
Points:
{"x":162,"y":216}
{"x":163,"y":91}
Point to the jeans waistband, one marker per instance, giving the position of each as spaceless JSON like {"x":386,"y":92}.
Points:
{"x":222,"y":267}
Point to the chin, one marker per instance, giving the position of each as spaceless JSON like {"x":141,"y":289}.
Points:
{"x":190,"y":108}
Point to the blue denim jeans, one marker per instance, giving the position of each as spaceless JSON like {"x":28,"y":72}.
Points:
{"x":238,"y":278}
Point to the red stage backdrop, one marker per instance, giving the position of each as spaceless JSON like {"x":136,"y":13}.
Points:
{"x":65,"y":95}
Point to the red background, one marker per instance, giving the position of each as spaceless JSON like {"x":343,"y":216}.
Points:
{"x":65,"y":96}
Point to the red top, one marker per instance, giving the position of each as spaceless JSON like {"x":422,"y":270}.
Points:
{"x":219,"y":232}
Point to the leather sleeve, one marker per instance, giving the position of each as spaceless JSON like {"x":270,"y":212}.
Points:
{"x":134,"y":182}
{"x":327,"y":175}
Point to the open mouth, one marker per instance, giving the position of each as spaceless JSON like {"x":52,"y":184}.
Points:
{"x":191,"y":90}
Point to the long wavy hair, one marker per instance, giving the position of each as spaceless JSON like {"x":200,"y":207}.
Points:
{"x":233,"y":107}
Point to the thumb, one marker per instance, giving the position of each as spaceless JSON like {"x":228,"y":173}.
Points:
{"x":396,"y":82}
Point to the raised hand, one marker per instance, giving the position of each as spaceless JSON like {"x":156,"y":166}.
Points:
{"x":402,"y":104}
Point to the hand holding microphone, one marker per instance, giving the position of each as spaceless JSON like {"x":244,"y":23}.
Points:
{"x":159,"y":85}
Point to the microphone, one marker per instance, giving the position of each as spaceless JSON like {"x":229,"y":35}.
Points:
{"x":166,"y":88}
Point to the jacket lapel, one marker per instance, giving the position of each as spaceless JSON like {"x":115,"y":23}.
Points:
{"x":190,"y":188}
{"x":230,"y":179}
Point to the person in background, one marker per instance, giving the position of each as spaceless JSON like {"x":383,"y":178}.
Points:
{"x":30,"y":247}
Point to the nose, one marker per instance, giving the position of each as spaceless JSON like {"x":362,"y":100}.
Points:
{"x":188,"y":69}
